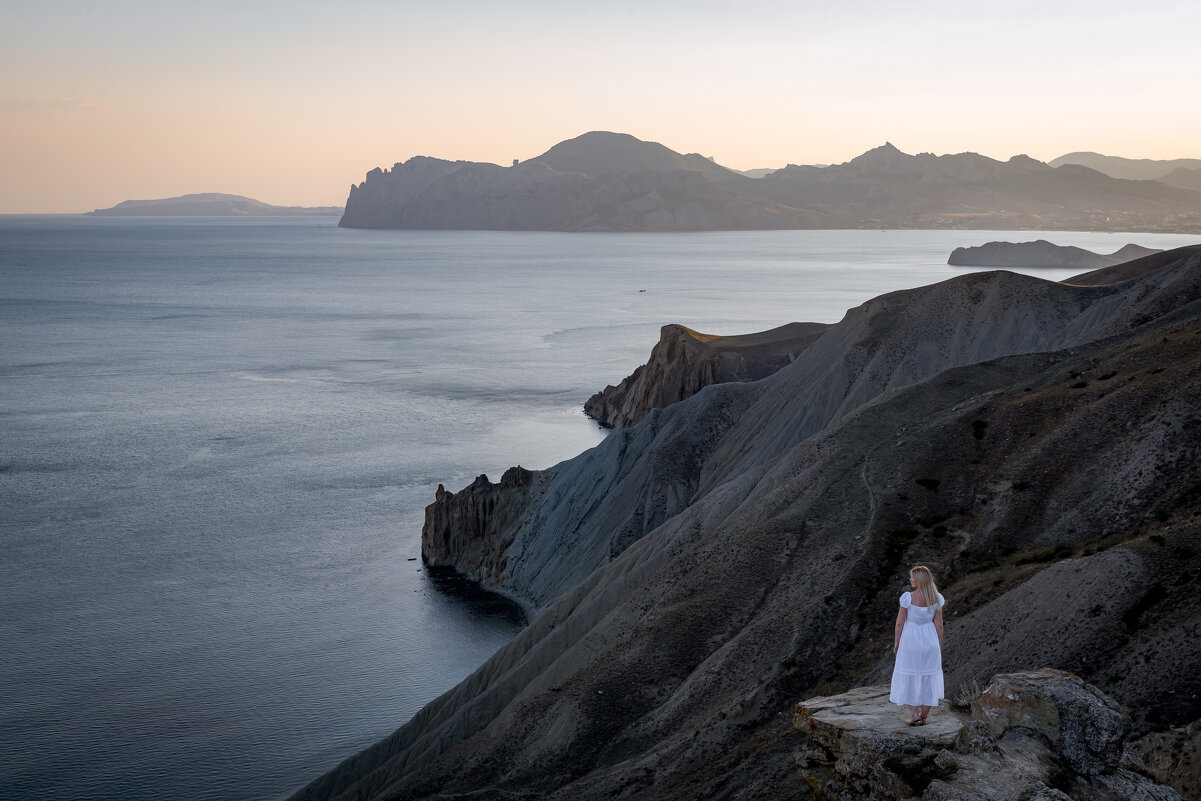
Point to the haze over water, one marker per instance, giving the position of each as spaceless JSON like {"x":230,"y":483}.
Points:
{"x":217,"y":438}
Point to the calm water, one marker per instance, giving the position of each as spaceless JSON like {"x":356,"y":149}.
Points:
{"x":217,"y":438}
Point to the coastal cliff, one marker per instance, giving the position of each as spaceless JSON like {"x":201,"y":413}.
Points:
{"x":685,"y":361}
{"x":1037,"y":444}
{"x":467,"y":530}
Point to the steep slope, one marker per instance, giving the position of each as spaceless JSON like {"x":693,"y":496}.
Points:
{"x":586,"y":510}
{"x":684,"y":361}
{"x":1056,"y":494}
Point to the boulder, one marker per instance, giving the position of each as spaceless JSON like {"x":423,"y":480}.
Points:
{"x":1041,"y":735}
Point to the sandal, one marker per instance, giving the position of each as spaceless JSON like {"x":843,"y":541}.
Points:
{"x":921,"y":721}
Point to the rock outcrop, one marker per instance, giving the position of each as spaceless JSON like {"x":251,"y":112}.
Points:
{"x":685,"y":361}
{"x":467,"y":530}
{"x":1042,"y":253}
{"x":209,"y":204}
{"x":1042,"y":734}
{"x":1037,"y":444}
{"x":603,"y":181}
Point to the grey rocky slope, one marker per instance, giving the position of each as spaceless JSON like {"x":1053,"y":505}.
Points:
{"x":604,"y":181}
{"x":1054,"y":490}
{"x":1042,"y":253}
{"x":685,"y":361}
{"x":209,"y":204}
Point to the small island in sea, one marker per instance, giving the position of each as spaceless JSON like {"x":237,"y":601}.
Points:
{"x":209,"y":204}
{"x":1042,"y":253}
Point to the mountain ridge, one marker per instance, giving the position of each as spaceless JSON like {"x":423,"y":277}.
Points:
{"x":605,"y":181}
{"x":1126,"y":168}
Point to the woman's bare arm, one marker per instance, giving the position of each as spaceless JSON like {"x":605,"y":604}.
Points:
{"x":938,"y":625}
{"x":896,"y":630}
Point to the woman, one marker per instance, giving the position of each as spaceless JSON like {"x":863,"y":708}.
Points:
{"x":917,"y":643}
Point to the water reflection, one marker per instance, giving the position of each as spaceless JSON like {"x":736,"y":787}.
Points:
{"x":466,"y":595}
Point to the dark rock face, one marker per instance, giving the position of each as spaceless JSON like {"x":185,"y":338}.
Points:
{"x":1042,"y":253}
{"x":778,"y":520}
{"x":603,"y":181}
{"x":685,"y":361}
{"x":469,"y":530}
{"x":857,"y":746}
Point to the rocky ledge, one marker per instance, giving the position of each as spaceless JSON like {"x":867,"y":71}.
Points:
{"x":1042,"y":735}
{"x":684,"y":362}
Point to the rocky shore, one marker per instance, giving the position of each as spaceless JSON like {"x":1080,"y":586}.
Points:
{"x":1037,"y":443}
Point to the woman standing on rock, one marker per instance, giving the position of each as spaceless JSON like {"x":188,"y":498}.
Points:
{"x":917,"y":643}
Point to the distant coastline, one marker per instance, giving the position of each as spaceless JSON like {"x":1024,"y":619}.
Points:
{"x":209,"y":204}
{"x":606,"y":181}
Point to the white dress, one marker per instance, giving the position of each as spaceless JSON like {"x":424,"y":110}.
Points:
{"x":917,"y":674}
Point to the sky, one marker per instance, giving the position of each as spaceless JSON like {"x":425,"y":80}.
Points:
{"x":292,"y":102}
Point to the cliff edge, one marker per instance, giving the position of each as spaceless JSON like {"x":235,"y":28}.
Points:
{"x":685,"y":361}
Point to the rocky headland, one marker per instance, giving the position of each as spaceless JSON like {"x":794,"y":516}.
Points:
{"x":209,"y":204}
{"x":696,"y":573}
{"x":685,"y":361}
{"x":1042,"y":253}
{"x":604,"y":181}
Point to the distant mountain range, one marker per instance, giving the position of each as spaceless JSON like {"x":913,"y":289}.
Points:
{"x":208,"y":204}
{"x":604,"y":181}
{"x":1130,"y":169}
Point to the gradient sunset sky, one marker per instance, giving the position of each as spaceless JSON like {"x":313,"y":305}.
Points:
{"x":291,"y":102}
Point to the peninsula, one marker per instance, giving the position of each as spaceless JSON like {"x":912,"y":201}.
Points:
{"x":209,"y":204}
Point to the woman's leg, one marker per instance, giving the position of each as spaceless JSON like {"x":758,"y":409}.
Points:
{"x":914,"y":715}
{"x":925,"y":711}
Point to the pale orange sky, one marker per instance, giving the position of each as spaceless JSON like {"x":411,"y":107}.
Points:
{"x":291,"y":102}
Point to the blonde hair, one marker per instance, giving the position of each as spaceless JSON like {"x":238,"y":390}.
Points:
{"x":925,"y":583}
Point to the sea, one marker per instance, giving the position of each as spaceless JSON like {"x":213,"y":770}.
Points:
{"x":218,"y":437}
